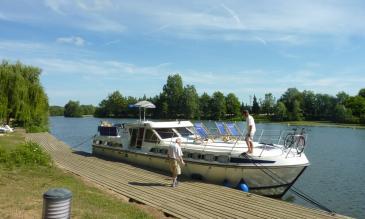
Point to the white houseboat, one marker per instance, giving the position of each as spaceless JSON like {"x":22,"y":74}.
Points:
{"x":271,"y":170}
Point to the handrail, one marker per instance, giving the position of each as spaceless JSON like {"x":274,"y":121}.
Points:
{"x":266,"y":138}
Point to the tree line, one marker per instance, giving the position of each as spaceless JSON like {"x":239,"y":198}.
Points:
{"x":72,"y":109}
{"x":23,"y":101}
{"x":177,"y":101}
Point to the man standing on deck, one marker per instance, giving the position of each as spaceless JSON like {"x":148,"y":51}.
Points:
{"x":175,"y":154}
{"x":251,"y":129}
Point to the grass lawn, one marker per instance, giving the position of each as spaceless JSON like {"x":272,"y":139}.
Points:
{"x":22,"y":185}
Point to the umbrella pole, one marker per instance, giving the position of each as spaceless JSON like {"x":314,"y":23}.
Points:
{"x":144,"y":114}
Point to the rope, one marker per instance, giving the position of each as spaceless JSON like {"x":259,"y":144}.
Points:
{"x":83,"y":142}
{"x":295,"y":190}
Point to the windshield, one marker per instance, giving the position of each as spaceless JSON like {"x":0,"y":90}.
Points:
{"x":166,"y":133}
{"x":184,"y":132}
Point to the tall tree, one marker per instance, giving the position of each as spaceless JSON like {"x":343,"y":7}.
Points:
{"x":114,"y":105}
{"x":22,"y":97}
{"x":173,"y":91}
{"x":232,"y":105}
{"x":309,"y":104}
{"x":325,"y":105}
{"x":362,"y":92}
{"x":255,"y":106}
{"x":281,"y":113}
{"x":296,"y":114}
{"x":342,"y":114}
{"x":268,"y":104}
{"x":288,"y":98}
{"x":218,"y":106}
{"x":190,"y":102}
{"x":342,"y":97}
{"x":73,"y":109}
{"x":204,"y":106}
{"x":356,"y":104}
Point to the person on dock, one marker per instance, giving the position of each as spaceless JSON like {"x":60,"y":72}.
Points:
{"x":175,"y":154}
{"x":251,"y":129}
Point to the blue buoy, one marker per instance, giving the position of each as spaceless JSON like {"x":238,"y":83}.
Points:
{"x":244,"y":187}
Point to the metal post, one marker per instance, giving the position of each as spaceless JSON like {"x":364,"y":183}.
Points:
{"x":57,"y":204}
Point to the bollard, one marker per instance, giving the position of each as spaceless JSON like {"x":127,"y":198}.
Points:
{"x":57,"y":204}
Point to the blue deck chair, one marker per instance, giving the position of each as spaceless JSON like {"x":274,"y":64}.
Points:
{"x":233,"y":129}
{"x":201,"y":130}
{"x":221,"y":128}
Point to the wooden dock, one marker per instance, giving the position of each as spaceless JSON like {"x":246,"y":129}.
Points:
{"x":190,"y":199}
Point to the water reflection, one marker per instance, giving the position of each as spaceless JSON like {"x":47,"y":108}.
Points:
{"x":335,"y":177}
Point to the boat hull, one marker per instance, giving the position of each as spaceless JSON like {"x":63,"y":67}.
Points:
{"x":265,"y":180}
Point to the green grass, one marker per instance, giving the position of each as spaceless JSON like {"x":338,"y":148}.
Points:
{"x":11,"y":140}
{"x":26,"y":172}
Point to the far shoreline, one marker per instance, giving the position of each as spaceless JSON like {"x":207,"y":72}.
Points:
{"x":289,"y":123}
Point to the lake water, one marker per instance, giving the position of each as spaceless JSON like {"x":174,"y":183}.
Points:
{"x":335,"y":178}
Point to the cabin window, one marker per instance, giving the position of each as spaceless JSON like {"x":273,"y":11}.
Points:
{"x":108,"y":131}
{"x":166,"y":133}
{"x":184,"y":132}
{"x":150,"y":136}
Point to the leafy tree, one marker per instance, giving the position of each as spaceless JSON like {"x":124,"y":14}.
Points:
{"x":342,"y":97}
{"x":289,"y":97}
{"x":204,"y":106}
{"x":356,"y":104}
{"x":281,"y":113}
{"x":255,"y":106}
{"x":244,"y":107}
{"x":22,"y":97}
{"x":342,"y":114}
{"x":56,"y":110}
{"x":73,"y":109}
{"x":190,"y":102}
{"x":309,"y":104}
{"x":362,"y":93}
{"x":131,"y":112}
{"x":173,"y":90}
{"x":114,"y":106}
{"x":296,"y":115}
{"x":87,"y":109}
{"x":161,"y":111}
{"x":268,"y":104}
{"x":232,"y":105}
{"x":218,"y":106}
{"x":325,"y":105}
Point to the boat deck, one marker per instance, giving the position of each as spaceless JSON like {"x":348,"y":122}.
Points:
{"x":191,"y":199}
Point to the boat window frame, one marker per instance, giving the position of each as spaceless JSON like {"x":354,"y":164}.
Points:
{"x":187,"y":128}
{"x":154,"y":134}
{"x":174,"y":135}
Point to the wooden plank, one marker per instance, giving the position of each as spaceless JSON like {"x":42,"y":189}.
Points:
{"x":189,"y":200}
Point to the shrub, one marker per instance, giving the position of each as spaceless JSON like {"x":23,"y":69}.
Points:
{"x":28,"y":154}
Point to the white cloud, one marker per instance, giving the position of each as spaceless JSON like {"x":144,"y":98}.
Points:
{"x":99,"y":68}
{"x":55,"y":5}
{"x":75,"y":40}
{"x":289,"y":22}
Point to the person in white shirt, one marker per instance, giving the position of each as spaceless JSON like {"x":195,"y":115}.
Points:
{"x":175,"y":154}
{"x":251,"y":129}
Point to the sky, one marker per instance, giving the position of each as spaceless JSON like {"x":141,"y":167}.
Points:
{"x":89,"y":48}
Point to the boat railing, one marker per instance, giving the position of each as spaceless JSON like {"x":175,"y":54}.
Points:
{"x":266,"y":138}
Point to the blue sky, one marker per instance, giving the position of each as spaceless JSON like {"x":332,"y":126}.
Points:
{"x":90,"y":48}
